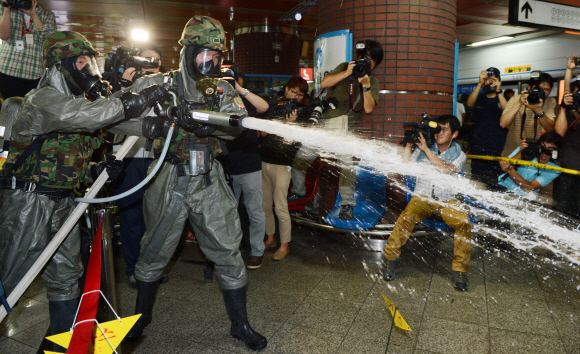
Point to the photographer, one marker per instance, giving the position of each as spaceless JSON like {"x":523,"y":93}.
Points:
{"x":23,"y":31}
{"x":528,"y":114}
{"x":244,"y":165}
{"x":488,"y":136}
{"x":526,"y":179}
{"x":350,"y":106}
{"x":137,"y":162}
{"x":147,"y":52}
{"x":277,"y":156}
{"x":567,"y":187}
{"x":429,"y":199}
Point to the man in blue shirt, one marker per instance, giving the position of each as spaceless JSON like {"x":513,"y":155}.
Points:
{"x":525,"y":179}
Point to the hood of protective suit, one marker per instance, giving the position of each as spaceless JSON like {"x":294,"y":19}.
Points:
{"x":54,"y":77}
{"x":189,"y":84}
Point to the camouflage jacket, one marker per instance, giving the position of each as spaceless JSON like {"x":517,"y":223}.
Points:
{"x":230,"y":102}
{"x":62,"y":162}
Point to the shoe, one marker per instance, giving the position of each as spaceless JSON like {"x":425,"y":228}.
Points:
{"x":460,"y":279}
{"x":132,"y":282}
{"x":294,"y":197}
{"x":280,"y":254}
{"x":389,"y":270}
{"x":255,"y":262}
{"x":235,"y":301}
{"x":346,"y":212}
{"x":269,"y":245}
{"x":189,"y":236}
{"x":144,"y":305}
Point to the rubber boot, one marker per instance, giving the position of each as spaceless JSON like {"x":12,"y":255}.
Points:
{"x":62,"y":315}
{"x":145,"y":300}
{"x":235,"y":300}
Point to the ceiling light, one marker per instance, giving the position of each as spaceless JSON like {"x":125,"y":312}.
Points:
{"x":493,"y":40}
{"x":297,"y":12}
{"x":140,"y":35}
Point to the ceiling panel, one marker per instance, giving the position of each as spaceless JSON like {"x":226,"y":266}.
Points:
{"x":109,"y":21}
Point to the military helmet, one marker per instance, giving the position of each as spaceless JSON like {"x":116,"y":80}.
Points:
{"x":205,"y":32}
{"x":65,"y":44}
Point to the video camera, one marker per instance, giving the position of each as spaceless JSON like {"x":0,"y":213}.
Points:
{"x":122,"y":58}
{"x":426,"y":126}
{"x":18,"y":4}
{"x":362,"y":65}
{"x":535,"y":149}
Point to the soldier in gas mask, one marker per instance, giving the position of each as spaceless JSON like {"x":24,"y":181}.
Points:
{"x":51,"y":144}
{"x":179,"y":193}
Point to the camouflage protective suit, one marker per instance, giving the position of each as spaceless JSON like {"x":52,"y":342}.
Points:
{"x":211,"y":208}
{"x":28,"y":221}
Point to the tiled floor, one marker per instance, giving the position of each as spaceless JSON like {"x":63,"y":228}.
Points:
{"x":326,"y":298}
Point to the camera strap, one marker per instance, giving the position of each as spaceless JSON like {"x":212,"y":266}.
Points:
{"x":351,"y":95}
{"x":576,"y":115}
{"x":524,"y":125}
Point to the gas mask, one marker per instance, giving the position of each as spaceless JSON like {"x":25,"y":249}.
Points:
{"x":88,"y":77}
{"x":203,"y":62}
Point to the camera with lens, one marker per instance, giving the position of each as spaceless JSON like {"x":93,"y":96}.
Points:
{"x":18,"y":4}
{"x":362,"y":65}
{"x":426,"y":126}
{"x":535,"y":95}
{"x":122,"y":58}
{"x":287,"y":108}
{"x":535,"y":149}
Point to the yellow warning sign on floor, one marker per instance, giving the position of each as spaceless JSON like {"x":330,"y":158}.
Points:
{"x":399,"y":321}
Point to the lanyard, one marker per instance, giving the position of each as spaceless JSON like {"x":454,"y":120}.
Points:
{"x":24,"y":29}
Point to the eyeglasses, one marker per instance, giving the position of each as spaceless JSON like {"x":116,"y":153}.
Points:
{"x":298,"y":94}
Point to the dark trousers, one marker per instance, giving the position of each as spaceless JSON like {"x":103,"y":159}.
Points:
{"x":567,"y":195}
{"x":11,"y":86}
{"x":131,"y":209}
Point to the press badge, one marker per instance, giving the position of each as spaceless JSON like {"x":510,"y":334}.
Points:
{"x":19,"y":45}
{"x":29,"y":38}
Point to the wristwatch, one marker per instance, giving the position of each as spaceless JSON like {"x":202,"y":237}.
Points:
{"x":247,"y":93}
{"x":539,"y":115}
{"x":366,"y":89}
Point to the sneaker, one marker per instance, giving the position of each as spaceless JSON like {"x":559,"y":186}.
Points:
{"x":346,"y":212}
{"x":460,"y":279}
{"x":389,"y":270}
{"x":294,"y":197}
{"x":255,"y":262}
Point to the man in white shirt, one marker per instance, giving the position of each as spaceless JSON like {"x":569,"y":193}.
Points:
{"x":431,"y":198}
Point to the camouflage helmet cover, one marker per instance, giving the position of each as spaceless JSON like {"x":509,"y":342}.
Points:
{"x":65,"y":44}
{"x":204,"y":31}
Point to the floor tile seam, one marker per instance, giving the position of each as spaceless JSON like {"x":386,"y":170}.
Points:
{"x":17,"y":341}
{"x":515,"y":331}
{"x":486,"y":306}
{"x":355,"y":318}
{"x":295,"y":309}
{"x":425,"y":307}
{"x":552,"y":316}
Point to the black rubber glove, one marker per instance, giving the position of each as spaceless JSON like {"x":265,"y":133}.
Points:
{"x":155,"y":127}
{"x":114,"y":168}
{"x":204,"y":130}
{"x":185,"y":120}
{"x":154,"y":94}
{"x":135,"y":104}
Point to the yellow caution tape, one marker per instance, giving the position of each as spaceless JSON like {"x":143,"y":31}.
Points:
{"x":525,"y":163}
